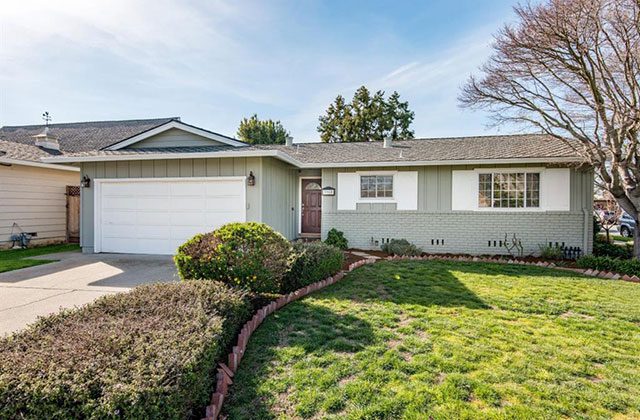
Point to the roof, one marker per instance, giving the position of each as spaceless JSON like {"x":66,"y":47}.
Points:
{"x":434,"y":151}
{"x":83,"y":136}
{"x":27,"y":154}
{"x":527,"y":146}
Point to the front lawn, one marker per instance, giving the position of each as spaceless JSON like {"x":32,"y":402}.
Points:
{"x":449,"y":340}
{"x":13,"y":259}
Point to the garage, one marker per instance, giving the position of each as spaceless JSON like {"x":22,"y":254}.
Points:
{"x":155,"y":216}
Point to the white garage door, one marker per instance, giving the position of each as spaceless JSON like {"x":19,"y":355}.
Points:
{"x":155,"y":216}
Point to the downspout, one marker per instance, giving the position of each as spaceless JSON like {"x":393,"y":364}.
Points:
{"x":586,"y":231}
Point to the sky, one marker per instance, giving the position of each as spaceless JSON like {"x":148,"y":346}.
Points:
{"x":214,"y":62}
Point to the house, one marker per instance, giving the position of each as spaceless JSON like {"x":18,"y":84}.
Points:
{"x":36,"y":198}
{"x":150,"y":191}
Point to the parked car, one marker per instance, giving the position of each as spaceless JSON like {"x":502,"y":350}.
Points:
{"x":627,"y":225}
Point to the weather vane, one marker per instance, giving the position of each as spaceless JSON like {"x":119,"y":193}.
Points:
{"x":46,"y":117}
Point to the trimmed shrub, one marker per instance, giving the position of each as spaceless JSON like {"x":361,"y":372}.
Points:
{"x":336,"y":238}
{"x":401,"y":247}
{"x":602,"y":248}
{"x":248,"y":255}
{"x":630,"y":267}
{"x":312,"y":261}
{"x":149,"y":353}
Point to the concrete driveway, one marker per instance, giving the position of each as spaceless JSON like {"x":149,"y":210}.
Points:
{"x":75,"y":280}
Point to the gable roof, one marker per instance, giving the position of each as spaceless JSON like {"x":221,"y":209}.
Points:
{"x":180,"y":126}
{"x":83,"y":136}
{"x":18,"y":143}
{"x":528,"y":148}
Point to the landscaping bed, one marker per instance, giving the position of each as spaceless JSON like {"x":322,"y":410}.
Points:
{"x":413,"y":339}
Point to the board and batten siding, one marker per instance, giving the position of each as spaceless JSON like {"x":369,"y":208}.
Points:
{"x":270,"y":200}
{"x":35,"y":199}
{"x":458,"y":231}
{"x":279,"y":196}
{"x":174,"y":138}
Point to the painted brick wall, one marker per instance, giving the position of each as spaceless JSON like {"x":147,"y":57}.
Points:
{"x":463,"y":232}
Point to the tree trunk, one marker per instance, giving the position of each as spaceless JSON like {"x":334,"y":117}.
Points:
{"x":636,"y":238}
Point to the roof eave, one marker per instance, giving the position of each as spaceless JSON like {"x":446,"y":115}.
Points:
{"x":39,"y":164}
{"x":314,"y":165}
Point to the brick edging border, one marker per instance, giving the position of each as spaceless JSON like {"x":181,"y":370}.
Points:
{"x":226,"y":371}
{"x":587,"y":272}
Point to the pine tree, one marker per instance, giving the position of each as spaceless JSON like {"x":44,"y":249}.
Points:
{"x":366,"y":118}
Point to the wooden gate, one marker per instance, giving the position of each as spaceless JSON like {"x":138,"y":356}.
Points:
{"x":73,"y":213}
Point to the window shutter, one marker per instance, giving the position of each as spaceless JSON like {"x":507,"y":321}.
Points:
{"x":405,"y":192}
{"x":555,"y":189}
{"x":348,"y":190}
{"x":464,"y":190}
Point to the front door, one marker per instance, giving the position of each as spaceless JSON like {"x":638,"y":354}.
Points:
{"x":311,"y":205}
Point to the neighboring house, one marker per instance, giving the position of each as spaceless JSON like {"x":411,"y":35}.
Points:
{"x":150,"y":191}
{"x":33,"y":194}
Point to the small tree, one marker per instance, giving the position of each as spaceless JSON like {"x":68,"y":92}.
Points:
{"x":255,"y":131}
{"x":571,"y":69}
{"x":367,"y":118}
{"x":607,"y":213}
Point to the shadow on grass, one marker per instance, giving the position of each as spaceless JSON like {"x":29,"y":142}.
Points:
{"x":412,"y":282}
{"x":306,"y":331}
{"x":303,"y":332}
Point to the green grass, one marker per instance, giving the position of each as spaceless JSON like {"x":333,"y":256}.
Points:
{"x":448,"y":340}
{"x":619,"y":238}
{"x":14,"y":259}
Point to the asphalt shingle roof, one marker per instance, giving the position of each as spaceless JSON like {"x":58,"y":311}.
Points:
{"x":82,"y":136}
{"x":88,"y":139}
{"x":436,"y":149}
{"x":18,"y":151}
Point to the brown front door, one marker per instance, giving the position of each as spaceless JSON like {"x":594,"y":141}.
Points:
{"x":311,"y":205}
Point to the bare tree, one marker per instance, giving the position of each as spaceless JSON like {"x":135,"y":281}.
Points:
{"x":571,"y":69}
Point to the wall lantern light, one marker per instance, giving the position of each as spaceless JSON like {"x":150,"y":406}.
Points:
{"x":86,"y":182}
{"x":251,"y":179}
{"x":330,"y":191}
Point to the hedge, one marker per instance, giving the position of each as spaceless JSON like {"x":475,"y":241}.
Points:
{"x":312,"y":261}
{"x":630,"y":267}
{"x":148,"y":353}
{"x":248,"y":255}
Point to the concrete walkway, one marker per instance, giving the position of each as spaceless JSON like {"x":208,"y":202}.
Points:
{"x":75,"y":280}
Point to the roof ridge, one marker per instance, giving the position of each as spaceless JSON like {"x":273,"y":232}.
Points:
{"x":94,"y":122}
{"x":476,"y":137}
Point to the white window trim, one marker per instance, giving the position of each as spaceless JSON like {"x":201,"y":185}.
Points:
{"x":381,"y":200}
{"x":479,"y":171}
{"x":97,"y":197}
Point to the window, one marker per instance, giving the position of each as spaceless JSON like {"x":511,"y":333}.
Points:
{"x":509,"y":190}
{"x":376,"y":186}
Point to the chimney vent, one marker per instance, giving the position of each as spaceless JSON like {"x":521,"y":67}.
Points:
{"x":44,"y":139}
{"x":288,"y":141}
{"x":388,"y":143}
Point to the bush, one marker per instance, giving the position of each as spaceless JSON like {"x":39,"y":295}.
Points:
{"x":550,"y":252}
{"x":148,"y":353}
{"x":630,"y":267}
{"x":249,"y":255}
{"x":602,"y":248}
{"x":337,"y":239}
{"x":312,"y":262}
{"x":401,"y":247}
